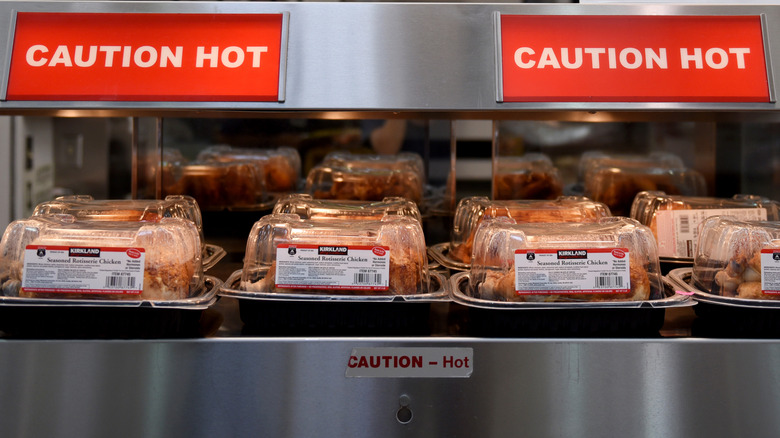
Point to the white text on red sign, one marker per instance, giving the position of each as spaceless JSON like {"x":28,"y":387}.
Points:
{"x":40,"y":55}
{"x":630,"y":58}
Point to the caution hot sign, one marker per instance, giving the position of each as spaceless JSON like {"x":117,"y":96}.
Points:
{"x":632,"y":59}
{"x":146,"y":57}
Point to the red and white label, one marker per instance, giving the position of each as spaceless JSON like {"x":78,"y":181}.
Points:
{"x":341,"y":267}
{"x":678,"y":230}
{"x":647,"y":58}
{"x":82,"y":269}
{"x":770,"y":271}
{"x":146,"y":57}
{"x":572,"y":271}
{"x":449,"y":362}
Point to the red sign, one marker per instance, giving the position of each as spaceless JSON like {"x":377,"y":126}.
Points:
{"x":146,"y":57}
{"x":632,"y":59}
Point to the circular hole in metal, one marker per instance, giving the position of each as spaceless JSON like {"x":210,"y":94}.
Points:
{"x":404,"y":415}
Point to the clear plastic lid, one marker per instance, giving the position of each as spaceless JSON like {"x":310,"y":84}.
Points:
{"x":617,"y":186}
{"x":529,"y":176}
{"x":85,"y":207}
{"x":364,"y":184}
{"x":675,"y":219}
{"x":281,"y":166}
{"x":288,"y":254}
{"x":307,"y":207}
{"x":400,"y":161}
{"x":738,"y":258}
{"x":612,"y":259}
{"x":471,"y":211}
{"x":594,"y":160}
{"x":217,"y":185}
{"x":61,"y":257}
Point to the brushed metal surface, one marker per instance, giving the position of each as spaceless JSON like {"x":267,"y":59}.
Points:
{"x":386,"y":57}
{"x":297,"y":387}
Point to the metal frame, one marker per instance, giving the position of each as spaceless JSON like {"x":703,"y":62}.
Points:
{"x":388,"y":59}
{"x":341,"y":63}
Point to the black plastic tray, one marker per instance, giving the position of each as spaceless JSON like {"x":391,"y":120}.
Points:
{"x":281,"y":314}
{"x":562,"y":319}
{"x":728,"y":317}
{"x":39,"y":318}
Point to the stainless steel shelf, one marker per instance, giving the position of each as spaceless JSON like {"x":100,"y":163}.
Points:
{"x":684,"y":387}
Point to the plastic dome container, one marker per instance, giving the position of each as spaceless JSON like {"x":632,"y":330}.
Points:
{"x":85,"y":207}
{"x":217,"y":185}
{"x":281,"y":166}
{"x":530,"y":176}
{"x":739,"y":259}
{"x":616,"y":181}
{"x":364,"y":184}
{"x":675,"y":220}
{"x":400,"y":161}
{"x":306,"y":207}
{"x":285,"y":253}
{"x":593,"y":160}
{"x":60,"y":257}
{"x":472,"y":211}
{"x":613,"y":259}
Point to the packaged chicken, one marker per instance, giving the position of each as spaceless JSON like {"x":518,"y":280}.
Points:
{"x":281,"y":166}
{"x":472,"y":211}
{"x":399,"y":161}
{"x":617,"y":181}
{"x":364,"y":184}
{"x":61,"y":257}
{"x":530,"y":176}
{"x":738,"y":259}
{"x":675,"y":220}
{"x":288,"y":254}
{"x":613,"y":259}
{"x":86,"y":208}
{"x":217,"y":185}
{"x":593,"y":160}
{"x":306,"y":207}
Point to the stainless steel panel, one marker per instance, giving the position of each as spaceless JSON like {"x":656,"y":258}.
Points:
{"x":389,"y":57}
{"x":297,"y":387}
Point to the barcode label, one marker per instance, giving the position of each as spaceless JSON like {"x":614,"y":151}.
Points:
{"x":608,"y":281}
{"x":677,"y":231}
{"x":98,"y":270}
{"x":572,"y":271}
{"x":685,"y":224}
{"x":364,"y":278}
{"x":332,"y":267}
{"x":117,"y":282}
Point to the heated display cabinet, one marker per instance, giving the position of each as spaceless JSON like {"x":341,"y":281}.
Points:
{"x":434,"y":67}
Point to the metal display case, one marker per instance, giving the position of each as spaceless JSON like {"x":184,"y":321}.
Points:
{"x":392,"y":60}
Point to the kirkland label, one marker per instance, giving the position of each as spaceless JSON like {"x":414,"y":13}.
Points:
{"x":770,"y":271}
{"x":572,"y":271}
{"x":455,"y":362}
{"x":332,"y":267}
{"x":70,"y":269}
{"x":678,"y":230}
